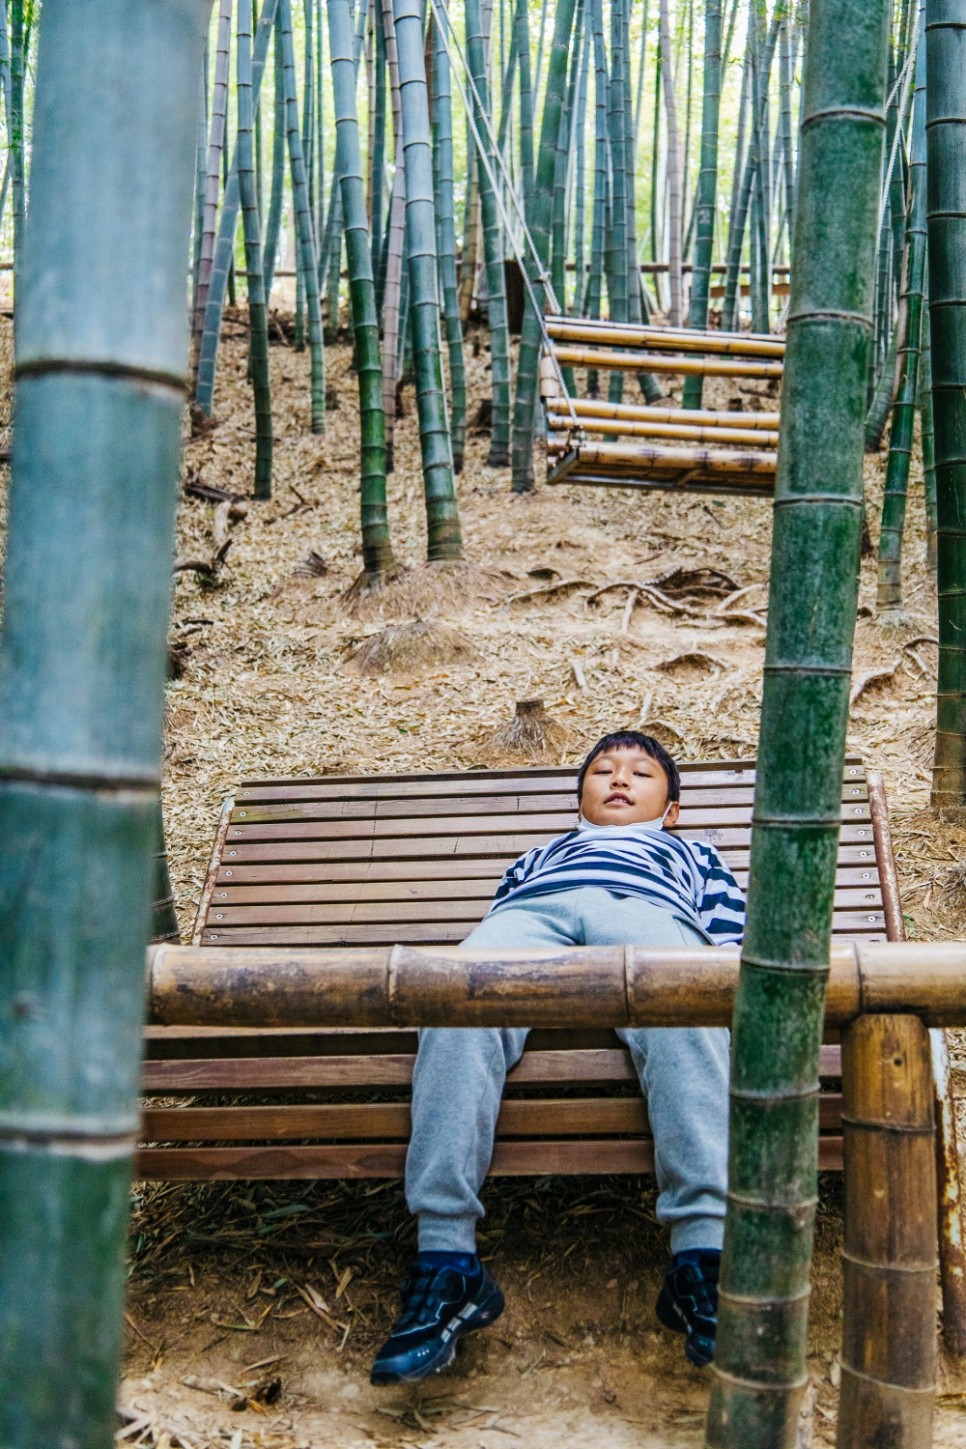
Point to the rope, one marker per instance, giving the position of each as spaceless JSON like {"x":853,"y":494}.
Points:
{"x":482,"y":152}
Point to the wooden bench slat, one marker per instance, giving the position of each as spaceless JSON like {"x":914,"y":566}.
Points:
{"x":408,"y":894}
{"x":571,"y":355}
{"x":510,"y":1159}
{"x":720,"y":435}
{"x":707,"y":817}
{"x":372,"y":1121}
{"x":442,"y":848}
{"x":742,"y":344}
{"x":703,"y":799}
{"x":602,"y":407}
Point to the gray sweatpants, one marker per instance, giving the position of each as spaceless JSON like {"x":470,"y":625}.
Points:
{"x":460,"y":1073}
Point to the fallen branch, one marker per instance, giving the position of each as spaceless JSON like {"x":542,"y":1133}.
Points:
{"x":869,"y":678}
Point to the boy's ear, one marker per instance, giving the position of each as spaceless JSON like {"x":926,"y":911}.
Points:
{"x":671,"y":818}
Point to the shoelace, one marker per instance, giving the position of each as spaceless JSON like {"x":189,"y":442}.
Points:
{"x":701,"y":1286}
{"x":421,"y":1295}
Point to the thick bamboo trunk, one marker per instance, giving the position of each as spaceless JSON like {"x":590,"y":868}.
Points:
{"x":395,"y":242}
{"x":377,"y":559}
{"x":889,"y":1256}
{"x":705,"y":199}
{"x":444,"y":540}
{"x":904,"y":411}
{"x":946,"y":135}
{"x":674,"y":171}
{"x":257,"y":312}
{"x":102,"y":354}
{"x":760,"y":1365}
{"x":446,"y":239}
{"x":526,"y":394}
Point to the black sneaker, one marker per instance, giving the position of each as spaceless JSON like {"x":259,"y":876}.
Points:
{"x":438,"y":1306}
{"x":688,"y":1303}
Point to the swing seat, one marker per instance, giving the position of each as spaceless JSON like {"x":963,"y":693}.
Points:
{"x":700,"y":451}
{"x":346,"y":861}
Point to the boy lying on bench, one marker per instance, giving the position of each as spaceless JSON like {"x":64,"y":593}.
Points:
{"x":618,"y":879}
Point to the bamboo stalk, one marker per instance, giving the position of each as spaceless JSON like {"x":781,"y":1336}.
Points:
{"x":723,"y":460}
{"x":257,"y":311}
{"x":225,"y":985}
{"x":664,"y":362}
{"x":705,"y":198}
{"x":674,"y":170}
{"x":102,"y":352}
{"x":216,"y":145}
{"x":889,"y":1255}
{"x":446,"y":238}
{"x":759,"y":1372}
{"x":945,"y":132}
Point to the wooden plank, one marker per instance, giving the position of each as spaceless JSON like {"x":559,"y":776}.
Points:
{"x":859,"y":857}
{"x":443,"y":848}
{"x":850,"y":893}
{"x":703,"y":817}
{"x":387,"y":1160}
{"x":448,"y":932}
{"x":596,"y":1066}
{"x":463,"y":782}
{"x":694,"y":798}
{"x":429,"y":911}
{"x":373,"y":1121}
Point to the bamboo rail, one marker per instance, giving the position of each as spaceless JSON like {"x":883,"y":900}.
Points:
{"x":581,"y":986}
{"x":635,"y":456}
{"x":599,"y":407}
{"x":675,"y":339}
{"x":561,"y":421}
{"x":664,"y":362}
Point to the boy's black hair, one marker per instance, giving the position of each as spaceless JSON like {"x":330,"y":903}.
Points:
{"x":634,"y":740}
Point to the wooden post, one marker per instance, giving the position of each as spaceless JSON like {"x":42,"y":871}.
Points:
{"x":889,"y":1256}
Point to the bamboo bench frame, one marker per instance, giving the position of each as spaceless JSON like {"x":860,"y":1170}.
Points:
{"x":703,"y":451}
{"x":356,"y":861}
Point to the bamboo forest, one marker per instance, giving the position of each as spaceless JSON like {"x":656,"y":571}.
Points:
{"x":482,"y":724}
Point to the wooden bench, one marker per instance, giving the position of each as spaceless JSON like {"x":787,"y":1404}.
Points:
{"x":352,"y":860}
{"x":675,"y":448}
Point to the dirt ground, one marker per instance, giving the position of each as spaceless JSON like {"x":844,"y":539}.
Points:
{"x":254,"y":1309}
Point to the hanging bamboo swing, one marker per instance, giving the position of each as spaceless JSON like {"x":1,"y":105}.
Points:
{"x":712,"y":452}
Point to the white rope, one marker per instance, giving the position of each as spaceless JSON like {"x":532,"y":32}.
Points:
{"x":542,"y":276}
{"x":903,"y":78}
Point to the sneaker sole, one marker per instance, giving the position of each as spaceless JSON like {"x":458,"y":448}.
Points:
{"x":485,"y":1315}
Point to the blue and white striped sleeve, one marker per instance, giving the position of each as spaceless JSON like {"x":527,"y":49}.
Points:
{"x":516,"y":874}
{"x":721,"y":909}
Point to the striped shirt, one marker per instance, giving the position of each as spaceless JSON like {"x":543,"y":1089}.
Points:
{"x":683,"y":876}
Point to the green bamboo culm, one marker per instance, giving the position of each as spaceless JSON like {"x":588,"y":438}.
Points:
{"x":303,"y":220}
{"x":885,"y":392}
{"x":257,"y":311}
{"x":221,"y":261}
{"x":928,"y":439}
{"x":705,"y":199}
{"x":18,"y":62}
{"x":273,"y":224}
{"x":377,"y":559}
{"x":945,"y":140}
{"x":446,"y":238}
{"x":499,"y":454}
{"x":524,"y":402}
{"x":904,"y":411}
{"x":442,"y":516}
{"x":759,"y":1372}
{"x":101,"y":383}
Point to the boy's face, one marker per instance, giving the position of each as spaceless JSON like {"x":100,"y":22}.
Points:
{"x":624,"y":787}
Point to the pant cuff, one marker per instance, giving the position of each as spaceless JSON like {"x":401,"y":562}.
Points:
{"x":446,"y":1234}
{"x":695,"y":1233}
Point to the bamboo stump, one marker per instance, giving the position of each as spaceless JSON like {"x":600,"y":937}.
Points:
{"x":889,"y":1257}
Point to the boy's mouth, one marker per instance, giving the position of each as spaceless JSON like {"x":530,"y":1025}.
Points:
{"x":618,"y":799}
